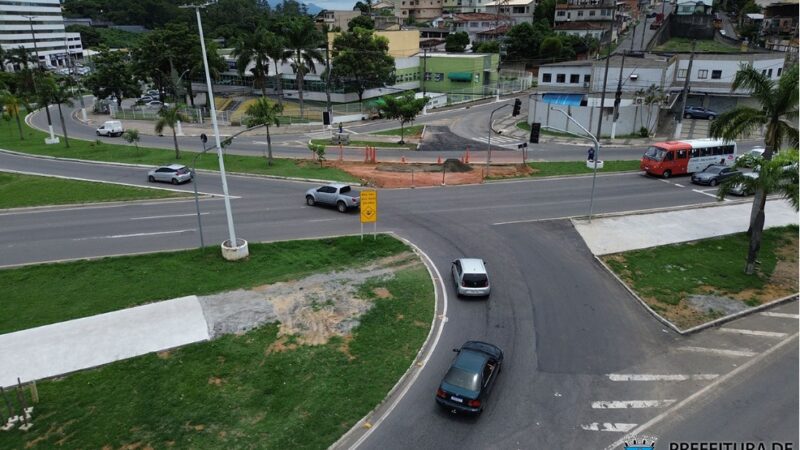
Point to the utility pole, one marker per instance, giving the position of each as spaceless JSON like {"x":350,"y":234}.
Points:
{"x":327,"y":79}
{"x":633,"y":36}
{"x":685,"y":94}
{"x":605,"y":80}
{"x":424,"y":69}
{"x":643,"y":33}
{"x":617,"y":99}
{"x":52,"y":139}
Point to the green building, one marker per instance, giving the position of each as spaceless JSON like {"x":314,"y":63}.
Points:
{"x":462,"y":76}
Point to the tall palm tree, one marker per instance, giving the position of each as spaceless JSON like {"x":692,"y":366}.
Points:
{"x":12,"y":104}
{"x":303,"y":40}
{"x":264,"y":112}
{"x":276,"y":50}
{"x":778,"y":115}
{"x":252,"y":47}
{"x":20,"y":56}
{"x":62,"y":94}
{"x":169,"y":116}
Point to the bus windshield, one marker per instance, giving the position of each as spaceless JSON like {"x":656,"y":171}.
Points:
{"x":655,"y":153}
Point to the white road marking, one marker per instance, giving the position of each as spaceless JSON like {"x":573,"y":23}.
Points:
{"x":783,"y":315}
{"x":321,"y":220}
{"x":704,"y":193}
{"x":167,"y":217}
{"x":772,"y":334}
{"x":118,"y":236}
{"x":612,"y":427}
{"x":719,"y":351}
{"x":679,"y":185}
{"x":632,"y":404}
{"x":659,"y":377}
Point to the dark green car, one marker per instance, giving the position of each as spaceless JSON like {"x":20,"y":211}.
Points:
{"x":471,"y":377}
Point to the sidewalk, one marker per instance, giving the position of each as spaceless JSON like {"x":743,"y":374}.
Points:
{"x":508,"y":126}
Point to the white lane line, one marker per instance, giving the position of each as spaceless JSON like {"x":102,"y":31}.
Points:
{"x":659,"y":377}
{"x":612,"y":427}
{"x":118,"y":236}
{"x":321,"y":220}
{"x":772,"y":334}
{"x":783,"y":315}
{"x":169,"y":216}
{"x":632,"y":404}
{"x":719,"y":351}
{"x":704,"y":193}
{"x":679,"y":185}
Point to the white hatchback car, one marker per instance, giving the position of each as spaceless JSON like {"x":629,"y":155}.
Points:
{"x":470,"y":277}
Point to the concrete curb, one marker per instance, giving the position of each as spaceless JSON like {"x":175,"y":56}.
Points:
{"x":365,"y":425}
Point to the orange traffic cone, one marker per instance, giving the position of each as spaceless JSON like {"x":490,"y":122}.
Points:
{"x":466,"y":156}
{"x":403,"y":159}
{"x":439,"y":159}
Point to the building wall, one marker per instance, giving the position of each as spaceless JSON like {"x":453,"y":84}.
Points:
{"x":516,"y":13}
{"x":568,"y":74}
{"x":597,"y":34}
{"x":401,"y":43}
{"x":465,"y":6}
{"x":631,"y":118}
{"x":633,"y":78}
{"x":418,"y":9}
{"x":593,"y":14}
{"x":48,"y":28}
{"x":483,"y":68}
{"x":716,"y":72}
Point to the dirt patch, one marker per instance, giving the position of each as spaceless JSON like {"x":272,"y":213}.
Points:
{"x":164,"y":355}
{"x":216,"y":381}
{"x":309,"y":311}
{"x":399,"y":175}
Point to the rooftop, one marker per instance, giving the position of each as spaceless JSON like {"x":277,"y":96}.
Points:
{"x":511,"y":3}
{"x":580,"y":25}
{"x":469,"y":17}
{"x":499,"y":31}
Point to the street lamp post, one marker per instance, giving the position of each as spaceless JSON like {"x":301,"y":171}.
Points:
{"x":231,"y":249}
{"x":596,"y":152}
{"x":52,"y":139}
{"x":489,"y":141}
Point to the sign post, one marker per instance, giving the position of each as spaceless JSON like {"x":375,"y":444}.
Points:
{"x":369,"y":211}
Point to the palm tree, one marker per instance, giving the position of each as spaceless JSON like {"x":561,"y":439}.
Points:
{"x":303,"y":41}
{"x":778,"y":114}
{"x":276,"y":50}
{"x":263,"y":112}
{"x":253,"y":48}
{"x":12,"y":105}
{"x":169,"y":117}
{"x":20,"y":56}
{"x":61,"y":94}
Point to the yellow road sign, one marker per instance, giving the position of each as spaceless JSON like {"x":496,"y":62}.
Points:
{"x":369,"y":206}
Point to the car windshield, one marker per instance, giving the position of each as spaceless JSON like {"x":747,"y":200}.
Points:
{"x":344,"y":189}
{"x":654,"y":153}
{"x":714,"y":169}
{"x":462,"y":378}
{"x":182,"y":170}
{"x":475,"y":280}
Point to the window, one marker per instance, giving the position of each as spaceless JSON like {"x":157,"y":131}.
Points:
{"x":716,"y":150}
{"x":728,"y":149}
{"x":681,"y":73}
{"x":547,"y":78}
{"x":561,"y":78}
{"x":780,"y":69}
{"x":705,"y":151}
{"x":575,"y":78}
{"x":438,"y":77}
{"x":560,"y":13}
{"x":591,"y":13}
{"x":681,"y":154}
{"x":716,"y":74}
{"x":695,"y":152}
{"x":669,"y":156}
{"x":580,"y":13}
{"x":764,"y":72}
{"x":769,"y":73}
{"x":702,"y":74}
{"x":587,"y":78}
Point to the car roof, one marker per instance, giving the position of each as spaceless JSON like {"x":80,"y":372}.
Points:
{"x":471,"y":360}
{"x":337,"y":185}
{"x":175,"y":166}
{"x":472,"y":265}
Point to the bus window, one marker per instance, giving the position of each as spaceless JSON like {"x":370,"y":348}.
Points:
{"x":728,"y":149}
{"x":717,"y":150}
{"x":705,"y":151}
{"x":695,"y":152}
{"x":654,"y":153}
{"x":681,"y":154}
{"x":669,"y":156}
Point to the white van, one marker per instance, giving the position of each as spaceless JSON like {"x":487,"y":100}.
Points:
{"x":111,"y":128}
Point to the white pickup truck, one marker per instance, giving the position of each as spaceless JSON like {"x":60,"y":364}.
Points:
{"x":342,"y":196}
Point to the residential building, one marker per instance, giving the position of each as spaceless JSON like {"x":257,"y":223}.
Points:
{"x":593,"y":11}
{"x":39,"y":21}
{"x":336,"y":18}
{"x":464,"y":6}
{"x":779,"y":26}
{"x":518,"y":11}
{"x":418,"y":10}
{"x":474,"y":23}
{"x":385,"y":22}
{"x":693,"y":7}
{"x":495,"y":34}
{"x":582,"y":29}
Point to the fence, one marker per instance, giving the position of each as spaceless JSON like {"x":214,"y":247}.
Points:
{"x":195,"y":115}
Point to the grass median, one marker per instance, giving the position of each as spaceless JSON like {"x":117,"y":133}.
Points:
{"x":101,"y":150}
{"x":409,"y":131}
{"x":238,"y":391}
{"x":694,"y":282}
{"x":559,"y":168}
{"x":379,"y":144}
{"x":17,"y":191}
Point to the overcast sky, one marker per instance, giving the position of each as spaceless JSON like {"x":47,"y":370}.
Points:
{"x":333,"y":4}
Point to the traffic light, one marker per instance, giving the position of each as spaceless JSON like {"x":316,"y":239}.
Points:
{"x":517,"y":106}
{"x":535,"y":127}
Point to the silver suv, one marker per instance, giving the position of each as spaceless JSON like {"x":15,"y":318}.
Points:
{"x":470,"y":277}
{"x":173,"y":173}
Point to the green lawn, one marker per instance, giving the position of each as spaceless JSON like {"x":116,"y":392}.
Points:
{"x":327,"y":143}
{"x":235,"y":391}
{"x":664,"y":276}
{"x":410,"y":131}
{"x":677,"y":44}
{"x":18,"y":191}
{"x":102,"y":151}
{"x":556,"y":168}
{"x":524,"y":125}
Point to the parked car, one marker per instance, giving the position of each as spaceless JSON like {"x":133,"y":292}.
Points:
{"x":156,"y":104}
{"x":471,"y":377}
{"x":740,"y":188}
{"x":342,"y":196}
{"x":173,"y":173}
{"x":651,"y":14}
{"x":697,"y":112}
{"x":152,"y":93}
{"x":755,"y":152}
{"x":470,"y":277}
{"x":145,"y":99}
{"x":714,"y":174}
{"x":110,"y":128}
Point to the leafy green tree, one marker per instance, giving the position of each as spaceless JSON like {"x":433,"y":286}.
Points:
{"x":488,"y":47}
{"x":112,"y":75}
{"x":456,"y":42}
{"x":778,"y":115}
{"x":546,"y":9}
{"x":318,"y":150}
{"x":362,"y":60}
{"x":263,"y":112}
{"x":253,"y":48}
{"x":365,"y":7}
{"x":405,"y":108}
{"x":164,"y":50}
{"x":551,"y":47}
{"x":524,"y":39}
{"x":131,"y":136}
{"x":169,"y":116}
{"x":21,"y":57}
{"x":229,"y":19}
{"x":90,"y":37}
{"x":61,"y":93}
{"x":362,"y":22}
{"x":304,"y":41}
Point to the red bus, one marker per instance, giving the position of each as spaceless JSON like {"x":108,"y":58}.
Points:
{"x":665,"y":159}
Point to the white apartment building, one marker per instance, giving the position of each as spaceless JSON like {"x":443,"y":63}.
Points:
{"x":518,"y":11}
{"x":24,"y":21}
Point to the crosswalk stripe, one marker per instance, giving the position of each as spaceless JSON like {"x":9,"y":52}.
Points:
{"x":783,"y":315}
{"x":659,"y":377}
{"x":607,"y":426}
{"x":632,"y":404}
{"x":719,"y":351}
{"x":772,"y":334}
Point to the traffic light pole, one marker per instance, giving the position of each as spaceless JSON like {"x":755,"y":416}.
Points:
{"x":489,"y":140}
{"x":617,"y":98}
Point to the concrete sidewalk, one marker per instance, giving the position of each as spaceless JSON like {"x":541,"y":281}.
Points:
{"x":615,"y":234}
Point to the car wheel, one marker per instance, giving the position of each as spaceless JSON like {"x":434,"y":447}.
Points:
{"x":175,"y":181}
{"x":151,"y":179}
{"x":687,"y":116}
{"x":667,"y":174}
{"x":97,"y":132}
{"x":310,"y":200}
{"x":341,"y":207}
{"x":712,"y":117}
{"x":712,"y":183}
